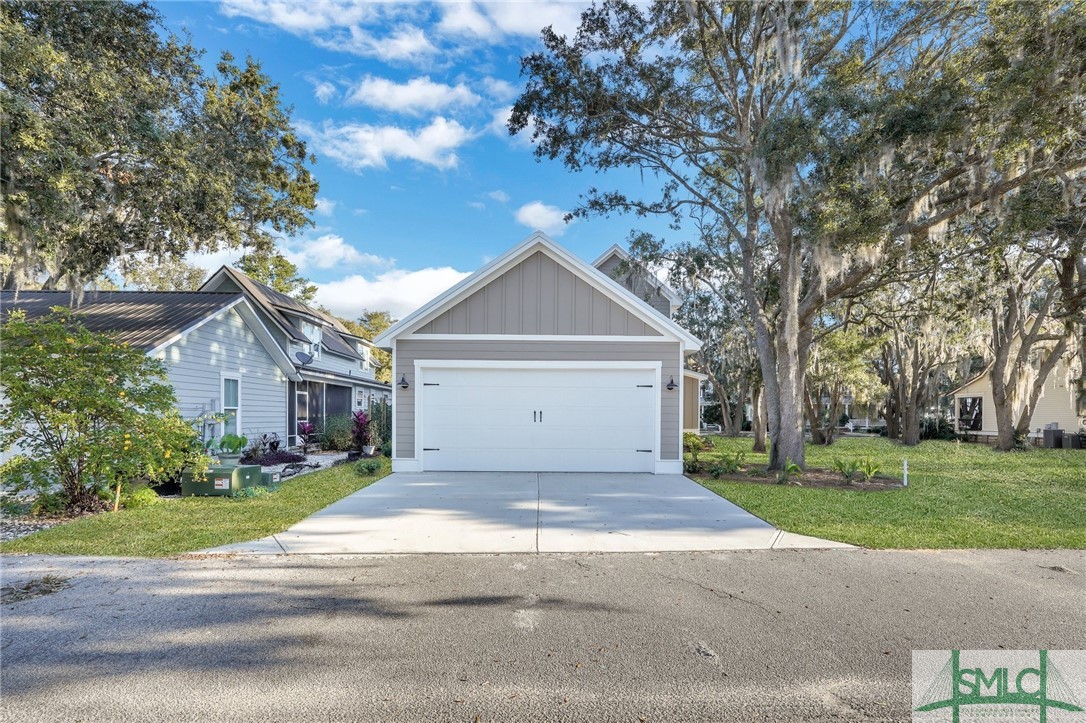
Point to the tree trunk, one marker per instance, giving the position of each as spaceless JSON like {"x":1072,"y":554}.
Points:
{"x":737,"y":410}
{"x":910,"y":432}
{"x":758,"y":424}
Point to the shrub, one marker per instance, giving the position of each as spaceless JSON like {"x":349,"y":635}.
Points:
{"x":360,"y":436}
{"x":868,"y":468}
{"x":692,"y":466}
{"x":367,"y":467}
{"x":89,"y":412}
{"x":307,"y":432}
{"x":272,"y":459}
{"x":337,"y":433}
{"x":937,"y":429}
{"x":380,"y":418}
{"x":788,"y":471}
{"x":140,"y":497}
{"x":847,"y":468}
{"x":386,"y":449}
{"x":48,"y":504}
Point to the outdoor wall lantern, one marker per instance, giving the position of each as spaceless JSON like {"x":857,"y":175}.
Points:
{"x":403,"y":381}
{"x":672,"y":386}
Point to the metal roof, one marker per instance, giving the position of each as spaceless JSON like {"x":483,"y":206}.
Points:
{"x":143,"y":319}
{"x":279,"y":306}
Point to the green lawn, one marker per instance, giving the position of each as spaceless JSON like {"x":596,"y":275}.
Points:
{"x":174,"y":526}
{"x":959,"y":495}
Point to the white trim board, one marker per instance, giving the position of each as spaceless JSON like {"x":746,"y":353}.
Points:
{"x":538,"y":241}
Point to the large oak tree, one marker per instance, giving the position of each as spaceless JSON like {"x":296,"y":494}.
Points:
{"x":811,"y":144}
{"x":116,"y":142}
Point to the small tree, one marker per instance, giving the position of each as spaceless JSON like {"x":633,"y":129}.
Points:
{"x":87,"y":412}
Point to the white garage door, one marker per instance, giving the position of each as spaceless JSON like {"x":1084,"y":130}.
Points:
{"x":538,"y":420}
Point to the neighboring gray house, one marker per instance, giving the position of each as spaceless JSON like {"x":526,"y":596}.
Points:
{"x":538,"y":362}
{"x":334,"y":368}
{"x":617,"y":264}
{"x":220,"y":357}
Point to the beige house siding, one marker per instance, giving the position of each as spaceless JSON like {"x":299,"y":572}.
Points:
{"x":690,"y":404}
{"x":408,"y":351}
{"x":1057,"y":403}
{"x":641,"y":287}
{"x":539,"y":297}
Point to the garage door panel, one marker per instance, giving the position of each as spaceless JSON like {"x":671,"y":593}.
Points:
{"x":589,"y":419}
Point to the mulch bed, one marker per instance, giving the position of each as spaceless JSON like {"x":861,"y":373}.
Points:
{"x":823,"y":478}
{"x":36,"y":587}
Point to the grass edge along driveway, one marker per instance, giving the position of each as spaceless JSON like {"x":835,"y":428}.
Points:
{"x":175,"y":526}
{"x":959,"y":496}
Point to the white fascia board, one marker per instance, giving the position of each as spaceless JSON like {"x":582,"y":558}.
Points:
{"x":539,"y":240}
{"x":188,"y":330}
{"x":696,"y":375}
{"x":615,"y":250}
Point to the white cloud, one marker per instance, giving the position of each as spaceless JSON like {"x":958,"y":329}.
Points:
{"x":465,"y":18}
{"x":398,"y":290}
{"x":477,"y":205}
{"x":499,"y":89}
{"x":491,"y":21}
{"x":212,"y":261}
{"x":511,"y":19}
{"x":538,"y":215}
{"x":327,"y":252}
{"x":324,"y":91}
{"x":357,"y":146}
{"x":415,"y":96}
{"x":499,"y":196}
{"x":298,"y":17}
{"x":325,"y":206}
{"x":405,"y":43}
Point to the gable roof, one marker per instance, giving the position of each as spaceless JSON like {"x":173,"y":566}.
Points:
{"x":148,"y":320}
{"x":669,"y":293}
{"x":143,"y":319}
{"x":278,"y":305}
{"x":538,"y":241}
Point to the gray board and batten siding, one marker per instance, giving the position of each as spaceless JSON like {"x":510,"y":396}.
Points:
{"x":538,"y":296}
{"x":637,"y":284}
{"x":225,"y":345}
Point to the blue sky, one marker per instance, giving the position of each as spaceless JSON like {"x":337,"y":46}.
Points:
{"x":404,"y":105}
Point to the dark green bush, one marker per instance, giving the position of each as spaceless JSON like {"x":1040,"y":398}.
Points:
{"x":139,"y":497}
{"x":367,"y":467}
{"x":251,"y":492}
{"x":337,"y":433}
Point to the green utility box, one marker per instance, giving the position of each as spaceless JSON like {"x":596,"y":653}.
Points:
{"x":222,"y":481}
{"x":270,"y":480}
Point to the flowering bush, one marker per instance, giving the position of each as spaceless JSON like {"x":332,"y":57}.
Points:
{"x":87,"y":412}
{"x":360,"y":436}
{"x":306,"y":430}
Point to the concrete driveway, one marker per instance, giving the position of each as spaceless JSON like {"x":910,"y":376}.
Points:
{"x":527,"y":512}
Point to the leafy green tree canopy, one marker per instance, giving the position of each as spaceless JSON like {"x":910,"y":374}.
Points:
{"x":86,"y":411}
{"x":117,"y":142}
{"x":146,"y":274}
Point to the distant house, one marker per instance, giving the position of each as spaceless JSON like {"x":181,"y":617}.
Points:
{"x":220,"y":357}
{"x":666,"y":301}
{"x":1062,"y":402}
{"x":334,"y":368}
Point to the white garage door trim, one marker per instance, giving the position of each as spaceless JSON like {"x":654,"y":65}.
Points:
{"x":422,"y":365}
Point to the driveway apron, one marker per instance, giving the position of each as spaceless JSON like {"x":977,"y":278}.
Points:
{"x":527,"y":512}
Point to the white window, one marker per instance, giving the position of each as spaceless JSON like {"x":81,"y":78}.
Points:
{"x":360,"y":398}
{"x":231,"y":405}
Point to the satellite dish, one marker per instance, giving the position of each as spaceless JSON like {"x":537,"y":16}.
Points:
{"x":303,"y":358}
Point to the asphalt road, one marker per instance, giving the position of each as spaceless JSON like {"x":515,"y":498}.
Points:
{"x":752,"y":635}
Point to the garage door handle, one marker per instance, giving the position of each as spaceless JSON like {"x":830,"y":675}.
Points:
{"x":540,"y":415}
{"x":533,"y":416}
{"x":643,"y":450}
